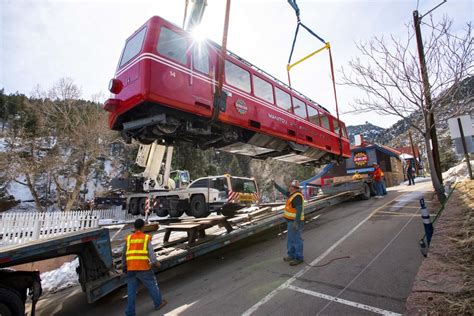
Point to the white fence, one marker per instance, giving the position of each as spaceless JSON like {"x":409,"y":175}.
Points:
{"x":18,"y":228}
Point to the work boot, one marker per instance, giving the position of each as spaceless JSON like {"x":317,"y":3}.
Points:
{"x":163,"y":304}
{"x":287,"y":259}
{"x":295,"y":262}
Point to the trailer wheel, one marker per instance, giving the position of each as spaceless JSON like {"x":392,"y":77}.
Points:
{"x":133,"y":208}
{"x":141,"y":206}
{"x":199,"y":207}
{"x":366,"y":194}
{"x":11,"y":303}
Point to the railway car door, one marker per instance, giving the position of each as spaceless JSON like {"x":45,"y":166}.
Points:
{"x":200,"y":80}
{"x":170,"y":70}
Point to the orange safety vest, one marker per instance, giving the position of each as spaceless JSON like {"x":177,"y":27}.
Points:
{"x":378,"y":174}
{"x":137,"y":252}
{"x":290,"y":211}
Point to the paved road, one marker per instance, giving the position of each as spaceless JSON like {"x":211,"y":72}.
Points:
{"x":360,"y":257}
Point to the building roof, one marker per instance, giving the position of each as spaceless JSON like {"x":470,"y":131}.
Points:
{"x":385,"y":149}
{"x":408,"y":150}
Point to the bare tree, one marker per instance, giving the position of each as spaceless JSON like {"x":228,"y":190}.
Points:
{"x":389,"y":74}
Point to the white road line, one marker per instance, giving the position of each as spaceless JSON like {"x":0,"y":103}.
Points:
{"x":342,"y":301}
{"x":370,"y":263}
{"x":314,"y":262}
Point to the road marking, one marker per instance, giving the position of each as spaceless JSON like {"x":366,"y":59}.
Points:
{"x":343,"y":301}
{"x":313,"y":263}
{"x":369,"y":264}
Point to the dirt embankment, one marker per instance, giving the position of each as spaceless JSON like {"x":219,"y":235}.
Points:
{"x":444,"y":284}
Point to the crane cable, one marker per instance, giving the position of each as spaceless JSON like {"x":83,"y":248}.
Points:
{"x":326,"y":46}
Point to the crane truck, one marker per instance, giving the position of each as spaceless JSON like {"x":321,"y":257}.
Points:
{"x":171,"y":193}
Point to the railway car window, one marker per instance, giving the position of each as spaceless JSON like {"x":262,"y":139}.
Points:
{"x":133,"y":47}
{"x":172,"y":45}
{"x":262,"y":89}
{"x":299,"y":107}
{"x":313,"y":115}
{"x":336,"y":126}
{"x":283,"y":99}
{"x":201,"y":58}
{"x":344,"y":131}
{"x":236,"y":76}
{"x":324,"y":121}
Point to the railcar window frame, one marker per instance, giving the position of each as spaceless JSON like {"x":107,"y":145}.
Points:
{"x":184,"y":57}
{"x":296,"y":108}
{"x":197,"y":47}
{"x":277,"y":99}
{"x":142,"y":33}
{"x":257,"y":90}
{"x":324,"y":119}
{"x":235,"y":81}
{"x":318,"y":121}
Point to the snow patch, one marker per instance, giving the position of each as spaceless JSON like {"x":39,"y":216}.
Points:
{"x":457,"y":173}
{"x":62,"y":278}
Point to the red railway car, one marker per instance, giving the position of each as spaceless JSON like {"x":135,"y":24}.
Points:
{"x":164,"y":89}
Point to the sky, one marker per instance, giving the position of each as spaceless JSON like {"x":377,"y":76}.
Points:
{"x":42,"y":41}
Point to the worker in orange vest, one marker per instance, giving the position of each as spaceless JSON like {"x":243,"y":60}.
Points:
{"x":137,"y":258}
{"x":294,"y":215}
{"x":379,"y":186}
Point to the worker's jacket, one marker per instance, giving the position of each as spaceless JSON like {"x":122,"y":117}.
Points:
{"x":137,"y":252}
{"x":290,"y":211}
{"x":378,"y":174}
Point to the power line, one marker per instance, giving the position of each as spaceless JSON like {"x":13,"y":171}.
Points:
{"x":442,"y":31}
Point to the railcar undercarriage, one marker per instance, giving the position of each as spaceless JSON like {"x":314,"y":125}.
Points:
{"x":169,"y":126}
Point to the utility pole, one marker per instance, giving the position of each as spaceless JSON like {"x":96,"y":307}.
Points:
{"x":427,"y":95}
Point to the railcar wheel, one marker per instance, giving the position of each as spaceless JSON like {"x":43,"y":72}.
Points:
{"x":199,"y":207}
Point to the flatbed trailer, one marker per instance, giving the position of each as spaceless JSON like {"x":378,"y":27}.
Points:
{"x":100,"y":260}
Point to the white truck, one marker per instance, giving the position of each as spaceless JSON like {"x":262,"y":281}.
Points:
{"x":171,"y":194}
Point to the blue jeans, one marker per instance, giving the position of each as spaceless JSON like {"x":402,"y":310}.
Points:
{"x":149,"y":282}
{"x":378,"y":188}
{"x":295,"y":242}
{"x":384,"y":189}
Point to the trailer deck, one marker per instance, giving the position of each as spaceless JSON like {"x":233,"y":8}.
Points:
{"x":100,"y":259}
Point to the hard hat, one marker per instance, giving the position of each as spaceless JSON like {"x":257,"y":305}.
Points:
{"x":295,"y":184}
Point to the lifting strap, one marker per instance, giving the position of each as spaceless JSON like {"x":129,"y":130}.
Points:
{"x":326,"y":46}
{"x":220,"y":97}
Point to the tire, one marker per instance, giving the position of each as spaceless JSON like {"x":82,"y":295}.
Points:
{"x":199,"y":207}
{"x":133,"y":207}
{"x":161,"y":210}
{"x":11,"y":303}
{"x":176,"y":212}
{"x":366,"y":194}
{"x":141,"y":206}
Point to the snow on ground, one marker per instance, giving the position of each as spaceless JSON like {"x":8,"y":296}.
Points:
{"x":457,"y":173}
{"x":61,"y":278}
{"x":19,"y":191}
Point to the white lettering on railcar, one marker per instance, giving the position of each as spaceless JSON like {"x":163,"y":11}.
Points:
{"x":277,"y":118}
